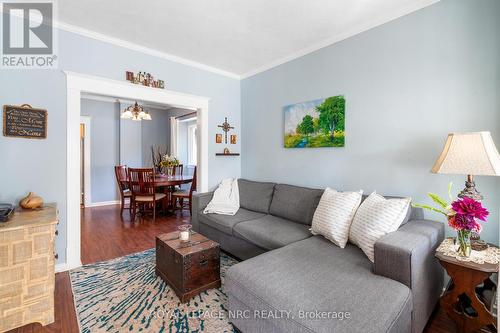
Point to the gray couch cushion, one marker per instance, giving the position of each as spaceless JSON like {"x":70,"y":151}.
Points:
{"x":255,"y":196}
{"x":313,"y":274}
{"x":271,"y":232}
{"x":225,"y":223}
{"x":295,"y":203}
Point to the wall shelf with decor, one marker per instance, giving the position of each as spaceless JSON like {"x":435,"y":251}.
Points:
{"x":228,"y":154}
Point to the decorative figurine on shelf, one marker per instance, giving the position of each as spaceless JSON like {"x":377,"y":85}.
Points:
{"x":31,"y":201}
{"x":145,"y":79}
{"x":226,"y":151}
{"x":463,"y":215}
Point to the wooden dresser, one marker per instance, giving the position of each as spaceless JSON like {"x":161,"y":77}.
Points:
{"x":27,"y":267}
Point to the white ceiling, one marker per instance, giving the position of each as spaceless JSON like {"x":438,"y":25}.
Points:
{"x":240,"y":37}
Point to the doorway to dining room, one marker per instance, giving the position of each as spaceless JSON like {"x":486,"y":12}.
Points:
{"x":117,"y":141}
{"x":130,"y":141}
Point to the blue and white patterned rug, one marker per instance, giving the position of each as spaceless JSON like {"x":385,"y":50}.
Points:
{"x":125,"y":295}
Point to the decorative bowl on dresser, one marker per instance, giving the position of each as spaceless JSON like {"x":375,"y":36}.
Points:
{"x":27,"y":267}
{"x":189,"y":267}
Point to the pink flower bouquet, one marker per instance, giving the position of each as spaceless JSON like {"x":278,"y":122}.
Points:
{"x":463,"y":214}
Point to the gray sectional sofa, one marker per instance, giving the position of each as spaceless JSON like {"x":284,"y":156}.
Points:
{"x":292,"y":281}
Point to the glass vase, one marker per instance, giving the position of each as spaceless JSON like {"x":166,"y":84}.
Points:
{"x":170,"y":171}
{"x":464,"y":247}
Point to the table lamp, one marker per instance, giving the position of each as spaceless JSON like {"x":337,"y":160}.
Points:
{"x":471,"y":154}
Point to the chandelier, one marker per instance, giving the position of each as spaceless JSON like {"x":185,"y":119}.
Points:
{"x":135,"y":112}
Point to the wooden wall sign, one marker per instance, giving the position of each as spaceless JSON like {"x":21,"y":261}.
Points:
{"x":24,"y":122}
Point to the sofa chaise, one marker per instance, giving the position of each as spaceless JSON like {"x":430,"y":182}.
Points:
{"x":292,"y":281}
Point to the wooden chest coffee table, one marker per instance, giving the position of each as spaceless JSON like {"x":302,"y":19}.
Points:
{"x":188,"y":267}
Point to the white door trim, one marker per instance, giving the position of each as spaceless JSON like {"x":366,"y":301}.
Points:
{"x":76,"y":84}
{"x":87,"y":200}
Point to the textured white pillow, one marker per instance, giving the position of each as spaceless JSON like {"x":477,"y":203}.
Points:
{"x":376,"y":217}
{"x":334,"y":215}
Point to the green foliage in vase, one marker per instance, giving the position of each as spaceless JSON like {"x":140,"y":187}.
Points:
{"x":444,"y":206}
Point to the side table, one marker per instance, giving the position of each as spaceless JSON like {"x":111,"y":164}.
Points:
{"x":467,"y":303}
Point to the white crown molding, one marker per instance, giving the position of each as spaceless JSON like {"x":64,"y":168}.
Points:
{"x":146,"y":50}
{"x":344,"y":35}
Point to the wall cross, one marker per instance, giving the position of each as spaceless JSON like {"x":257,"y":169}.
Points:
{"x":226,"y":128}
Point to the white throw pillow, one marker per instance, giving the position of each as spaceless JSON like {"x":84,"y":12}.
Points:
{"x":376,"y":217}
{"x":334,"y":215}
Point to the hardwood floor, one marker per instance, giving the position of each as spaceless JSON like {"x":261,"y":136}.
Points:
{"x":105,"y":236}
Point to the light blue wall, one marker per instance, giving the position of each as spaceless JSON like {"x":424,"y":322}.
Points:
{"x":40,"y":165}
{"x":154,"y":133}
{"x":120,"y":141}
{"x":104,"y":149}
{"x":407,"y":84}
{"x":130,"y":141}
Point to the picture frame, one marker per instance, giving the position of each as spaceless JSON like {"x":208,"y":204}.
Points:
{"x":218,"y":138}
{"x":233,"y":139}
{"x":25,"y":122}
{"x":315,"y":124}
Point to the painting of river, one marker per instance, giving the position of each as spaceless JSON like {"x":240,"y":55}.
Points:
{"x":314,"y":124}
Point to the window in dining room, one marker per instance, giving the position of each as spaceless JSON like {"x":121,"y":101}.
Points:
{"x":192,"y":144}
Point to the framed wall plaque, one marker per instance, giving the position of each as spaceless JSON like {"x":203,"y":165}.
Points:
{"x":24,"y":122}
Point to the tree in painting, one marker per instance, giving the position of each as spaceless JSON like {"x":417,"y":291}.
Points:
{"x":307,"y":126}
{"x":319,"y":123}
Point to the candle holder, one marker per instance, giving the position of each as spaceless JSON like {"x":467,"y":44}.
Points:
{"x":184,"y":232}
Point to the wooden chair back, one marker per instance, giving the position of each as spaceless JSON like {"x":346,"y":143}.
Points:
{"x":178,"y":170}
{"x":191,"y":170}
{"x":121,"y":173}
{"x":142,"y":181}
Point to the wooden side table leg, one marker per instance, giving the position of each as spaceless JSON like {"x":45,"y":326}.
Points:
{"x":464,"y":282}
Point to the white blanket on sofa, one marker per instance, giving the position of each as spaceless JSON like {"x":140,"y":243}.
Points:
{"x":226,"y":199}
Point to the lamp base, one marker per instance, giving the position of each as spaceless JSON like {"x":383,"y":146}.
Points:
{"x":470,"y":190}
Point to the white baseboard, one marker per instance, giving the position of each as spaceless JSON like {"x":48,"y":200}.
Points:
{"x":104,"y":203}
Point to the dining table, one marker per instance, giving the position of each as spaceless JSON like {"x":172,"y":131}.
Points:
{"x":169,"y":182}
{"x":173,"y":180}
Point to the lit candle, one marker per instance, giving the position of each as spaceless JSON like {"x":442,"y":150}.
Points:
{"x":184,"y":235}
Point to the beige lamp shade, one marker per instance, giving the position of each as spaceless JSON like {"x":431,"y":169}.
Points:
{"x":469,"y":154}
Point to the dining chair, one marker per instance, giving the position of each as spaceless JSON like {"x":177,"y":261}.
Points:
{"x":186,"y":194}
{"x":178,"y":170}
{"x":121,"y":173}
{"x":142,"y":185}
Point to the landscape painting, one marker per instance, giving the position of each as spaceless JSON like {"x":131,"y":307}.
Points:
{"x":314,"y":124}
